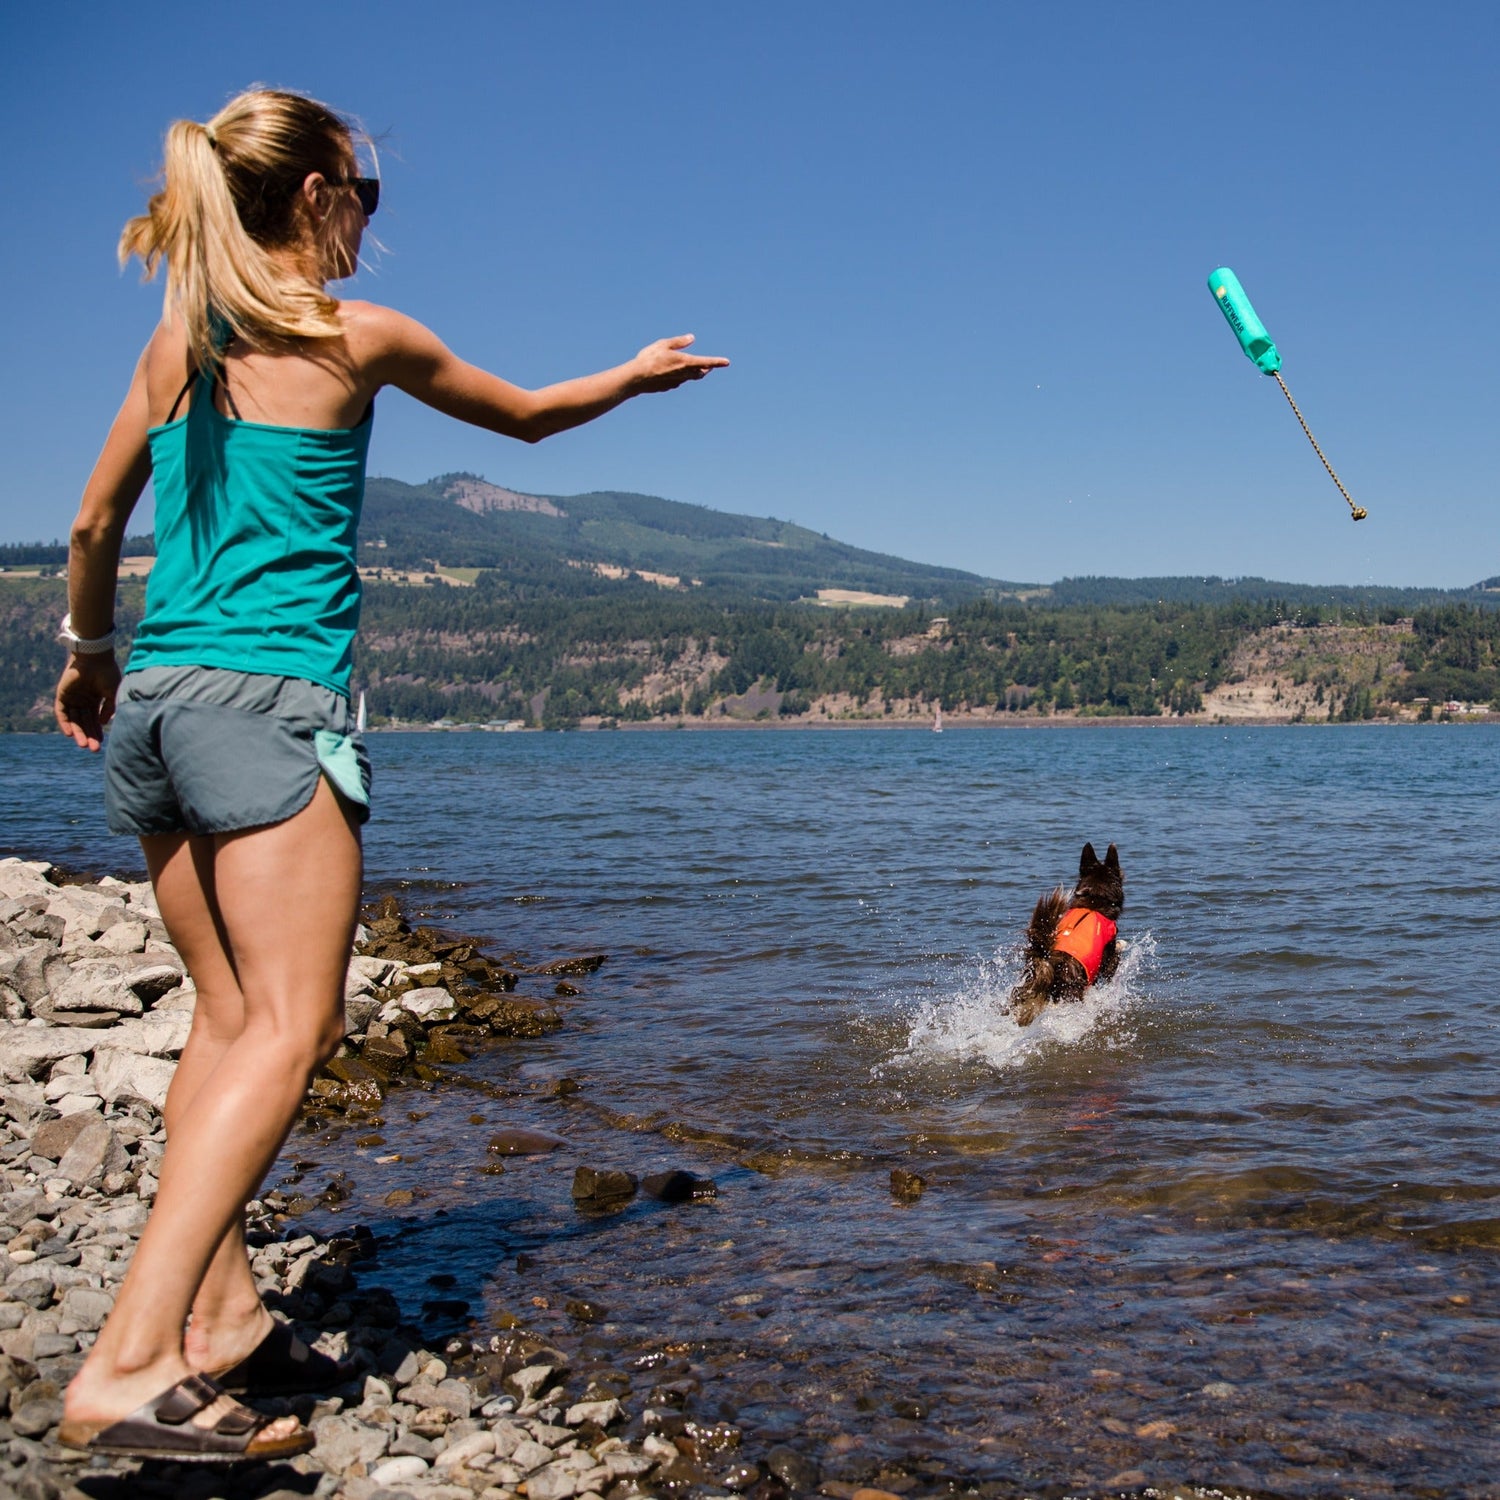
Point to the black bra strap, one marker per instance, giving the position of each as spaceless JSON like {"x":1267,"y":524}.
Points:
{"x":187,"y":385}
{"x":221,"y":384}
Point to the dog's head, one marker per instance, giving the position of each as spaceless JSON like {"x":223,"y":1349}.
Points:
{"x":1101,"y":886}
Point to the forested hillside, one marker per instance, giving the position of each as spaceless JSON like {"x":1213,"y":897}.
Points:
{"x":512,"y":647}
{"x":614,"y":606}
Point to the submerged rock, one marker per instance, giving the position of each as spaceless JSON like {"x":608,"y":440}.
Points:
{"x":517,"y":1140}
{"x":607,"y":1189}
{"x":679,"y":1187}
{"x":797,"y":1473}
{"x":586,"y":964}
{"x":906,"y":1186}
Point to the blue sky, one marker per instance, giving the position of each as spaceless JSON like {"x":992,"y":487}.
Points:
{"x":956,"y":252}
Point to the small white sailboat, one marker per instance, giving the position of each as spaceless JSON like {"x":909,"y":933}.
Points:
{"x":359,"y":717}
{"x":937,"y":720}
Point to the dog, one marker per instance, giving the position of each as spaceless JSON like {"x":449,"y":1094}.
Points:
{"x":1071,"y":941}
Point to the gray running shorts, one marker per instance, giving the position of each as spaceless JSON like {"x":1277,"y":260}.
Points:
{"x":205,"y":750}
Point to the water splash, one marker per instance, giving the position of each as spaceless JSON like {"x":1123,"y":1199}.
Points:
{"x":972,"y":1023}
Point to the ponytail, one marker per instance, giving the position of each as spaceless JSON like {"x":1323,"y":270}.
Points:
{"x":229,"y":197}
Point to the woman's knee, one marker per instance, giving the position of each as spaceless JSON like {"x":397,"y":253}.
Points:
{"x":300,"y":1042}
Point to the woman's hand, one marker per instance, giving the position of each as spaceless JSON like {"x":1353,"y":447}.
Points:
{"x":85,"y":700}
{"x":666,"y":364}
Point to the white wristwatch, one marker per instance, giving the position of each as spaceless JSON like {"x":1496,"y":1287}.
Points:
{"x":81,"y":646}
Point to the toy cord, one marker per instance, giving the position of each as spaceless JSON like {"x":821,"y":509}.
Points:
{"x":1356,"y":512}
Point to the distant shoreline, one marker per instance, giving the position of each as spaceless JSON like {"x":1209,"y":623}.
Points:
{"x":949,"y":726}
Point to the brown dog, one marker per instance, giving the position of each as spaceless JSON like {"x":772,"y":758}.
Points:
{"x":1071,"y":940}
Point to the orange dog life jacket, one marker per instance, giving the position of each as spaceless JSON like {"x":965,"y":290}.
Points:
{"x":1084,"y":935}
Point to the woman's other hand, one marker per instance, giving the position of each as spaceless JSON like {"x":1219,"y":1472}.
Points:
{"x":85,"y":700}
{"x":666,"y":364}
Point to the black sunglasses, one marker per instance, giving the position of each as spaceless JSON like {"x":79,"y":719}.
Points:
{"x":366,"y":189}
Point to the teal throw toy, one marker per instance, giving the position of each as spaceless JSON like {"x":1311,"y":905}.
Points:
{"x":1260,"y":349}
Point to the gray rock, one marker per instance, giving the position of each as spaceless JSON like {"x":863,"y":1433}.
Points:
{"x":527,"y":1382}
{"x":600,"y":1412}
{"x":35,"y":1291}
{"x":397,"y":1470}
{"x":607,"y":1189}
{"x":518,"y":1140}
{"x":798,"y":1474}
{"x":22,"y":878}
{"x":529,"y":1454}
{"x":123,"y":937}
{"x":25,"y":971}
{"x":53,"y":1137}
{"x":461,"y":1450}
{"x":429,"y":1004}
{"x":159,"y":1034}
{"x":86,"y":912}
{"x":96,"y":984}
{"x":555,"y":1482}
{"x":678,"y":1186}
{"x":36,"y":1415}
{"x":129,"y":1075}
{"x":623,"y":1465}
{"x":508,"y":1437}
{"x":154,"y":981}
{"x":359,"y":1011}
{"x":15,"y":909}
{"x":344,"y":1442}
{"x":86,"y":1306}
{"x":413,"y":1445}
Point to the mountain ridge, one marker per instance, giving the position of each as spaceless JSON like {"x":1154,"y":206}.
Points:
{"x":464,"y":521}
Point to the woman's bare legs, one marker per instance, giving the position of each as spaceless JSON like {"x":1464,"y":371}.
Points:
{"x":285,"y":900}
{"x":229,"y":1319}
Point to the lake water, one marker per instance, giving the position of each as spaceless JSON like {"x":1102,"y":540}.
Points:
{"x":1232,"y":1221}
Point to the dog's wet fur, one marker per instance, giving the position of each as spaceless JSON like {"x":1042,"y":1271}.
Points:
{"x":1059,"y":976}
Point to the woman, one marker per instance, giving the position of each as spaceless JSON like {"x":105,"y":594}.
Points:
{"x":232,"y":755}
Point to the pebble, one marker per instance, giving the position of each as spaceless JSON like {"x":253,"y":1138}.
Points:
{"x":397,"y":1470}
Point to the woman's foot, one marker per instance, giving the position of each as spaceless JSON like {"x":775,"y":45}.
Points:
{"x":280,"y":1365}
{"x":189,"y":1422}
{"x":96,"y":1398}
{"x":211,"y":1345}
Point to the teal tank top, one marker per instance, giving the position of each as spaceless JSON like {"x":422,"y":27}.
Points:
{"x":255,"y":545}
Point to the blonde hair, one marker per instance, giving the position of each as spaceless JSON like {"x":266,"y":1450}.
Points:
{"x":230,"y":195}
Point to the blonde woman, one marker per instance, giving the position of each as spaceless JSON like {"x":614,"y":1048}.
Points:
{"x":232,"y":754}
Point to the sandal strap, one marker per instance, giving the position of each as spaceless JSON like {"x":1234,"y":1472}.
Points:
{"x":186,"y":1399}
{"x":163,"y":1427}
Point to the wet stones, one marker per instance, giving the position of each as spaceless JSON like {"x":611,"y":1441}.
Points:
{"x":679,"y":1187}
{"x":906,"y":1187}
{"x":516,"y":1016}
{"x":603,"y":1192}
{"x":798,"y":1473}
{"x":517,"y":1140}
{"x":587,"y":964}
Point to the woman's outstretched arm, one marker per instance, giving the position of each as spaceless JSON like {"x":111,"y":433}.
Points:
{"x":411,"y":357}
{"x":85,"y":699}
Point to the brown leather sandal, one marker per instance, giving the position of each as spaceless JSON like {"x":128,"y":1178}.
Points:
{"x":163,"y":1428}
{"x":280,"y":1365}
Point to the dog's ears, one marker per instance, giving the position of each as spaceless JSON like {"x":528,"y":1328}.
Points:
{"x":1112,"y":859}
{"x":1088,"y":860}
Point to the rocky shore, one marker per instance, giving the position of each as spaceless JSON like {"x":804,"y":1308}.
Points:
{"x":95,"y":1008}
